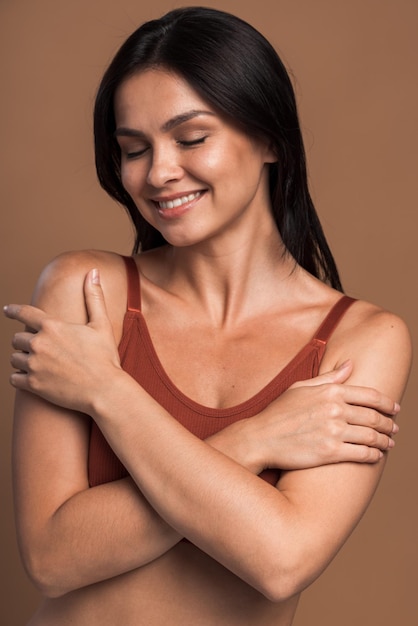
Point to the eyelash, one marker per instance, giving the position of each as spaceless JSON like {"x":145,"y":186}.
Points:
{"x":184,"y":144}
{"x":193,"y":142}
{"x":135,"y":155}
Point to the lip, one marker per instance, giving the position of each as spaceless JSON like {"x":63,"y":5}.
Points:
{"x":172,"y":212}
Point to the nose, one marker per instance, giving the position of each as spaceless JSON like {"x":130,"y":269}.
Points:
{"x":164,"y":167}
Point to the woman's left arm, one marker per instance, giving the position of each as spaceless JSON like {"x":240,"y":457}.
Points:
{"x":278,"y":540}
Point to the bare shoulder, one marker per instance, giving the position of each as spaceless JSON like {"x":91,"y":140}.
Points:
{"x":368,"y":324}
{"x":379,"y":344}
{"x":59,"y":290}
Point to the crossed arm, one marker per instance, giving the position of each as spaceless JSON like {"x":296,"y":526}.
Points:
{"x":278,"y":540}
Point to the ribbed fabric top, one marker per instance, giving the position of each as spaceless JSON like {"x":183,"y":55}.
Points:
{"x":140,"y":360}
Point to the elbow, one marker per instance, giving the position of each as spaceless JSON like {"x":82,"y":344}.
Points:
{"x":280,"y":588}
{"x":280,"y":581}
{"x":44,"y":575}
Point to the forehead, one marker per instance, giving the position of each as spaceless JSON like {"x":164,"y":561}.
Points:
{"x":154,"y":96}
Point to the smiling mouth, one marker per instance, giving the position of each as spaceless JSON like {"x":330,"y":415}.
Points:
{"x":177,"y":202}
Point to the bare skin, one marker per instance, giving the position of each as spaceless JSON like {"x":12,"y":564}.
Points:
{"x":200,"y":589}
{"x":114,"y":553}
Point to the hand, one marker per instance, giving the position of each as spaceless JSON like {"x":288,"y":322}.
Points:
{"x":67,"y":364}
{"x":315,"y":422}
{"x":324,"y":421}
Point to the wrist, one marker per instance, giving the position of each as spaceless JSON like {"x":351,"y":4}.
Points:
{"x":237,"y":441}
{"x":109,"y":398}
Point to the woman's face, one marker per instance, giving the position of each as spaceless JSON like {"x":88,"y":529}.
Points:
{"x":192,"y":173}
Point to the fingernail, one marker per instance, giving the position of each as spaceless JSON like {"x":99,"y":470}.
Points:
{"x":396,"y":407}
{"x":95,"y":277}
{"x":5,"y":308}
{"x":391,"y":443}
{"x":395,"y":429}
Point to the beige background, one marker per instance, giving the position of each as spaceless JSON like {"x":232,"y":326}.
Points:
{"x":355,"y":63}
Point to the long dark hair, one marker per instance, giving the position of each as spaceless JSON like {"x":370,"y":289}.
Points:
{"x":235,"y":69}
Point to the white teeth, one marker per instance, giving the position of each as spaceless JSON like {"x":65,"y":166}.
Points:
{"x":171,"y":204}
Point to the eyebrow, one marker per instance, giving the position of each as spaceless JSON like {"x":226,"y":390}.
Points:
{"x":167,"y":126}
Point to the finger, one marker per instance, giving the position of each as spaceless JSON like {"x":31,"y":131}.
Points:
{"x":371,"y":398}
{"x":19,"y":380}
{"x":369,"y":437}
{"x":360,"y":453}
{"x":361,"y":416}
{"x":94,"y":297}
{"x":337,"y":376}
{"x":29,"y":315}
{"x":19,"y":360}
{"x":21,"y":341}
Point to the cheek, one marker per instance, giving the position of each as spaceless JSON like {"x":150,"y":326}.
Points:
{"x":131,"y":179}
{"x":204,"y":166}
{"x":238,"y":159}
{"x":213,"y":161}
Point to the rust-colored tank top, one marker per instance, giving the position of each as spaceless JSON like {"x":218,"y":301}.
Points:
{"x":140,"y":360}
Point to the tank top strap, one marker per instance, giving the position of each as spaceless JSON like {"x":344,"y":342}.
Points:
{"x":324,"y":332}
{"x":134,"y":287}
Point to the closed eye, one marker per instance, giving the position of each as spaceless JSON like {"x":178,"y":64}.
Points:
{"x":136,"y":154}
{"x":185,"y":144}
{"x":192,"y":142}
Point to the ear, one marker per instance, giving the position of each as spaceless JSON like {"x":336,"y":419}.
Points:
{"x":270,"y":155}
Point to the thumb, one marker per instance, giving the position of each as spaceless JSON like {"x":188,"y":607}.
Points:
{"x":338,"y":375}
{"x":94,"y":298}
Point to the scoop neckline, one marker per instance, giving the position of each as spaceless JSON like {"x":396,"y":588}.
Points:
{"x":255,"y":399}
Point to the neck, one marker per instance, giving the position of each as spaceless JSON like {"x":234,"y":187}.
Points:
{"x":229,"y":281}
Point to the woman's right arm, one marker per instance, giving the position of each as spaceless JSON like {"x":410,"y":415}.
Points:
{"x":71,"y":535}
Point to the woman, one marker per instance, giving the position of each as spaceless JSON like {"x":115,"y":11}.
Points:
{"x":207,"y":420}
